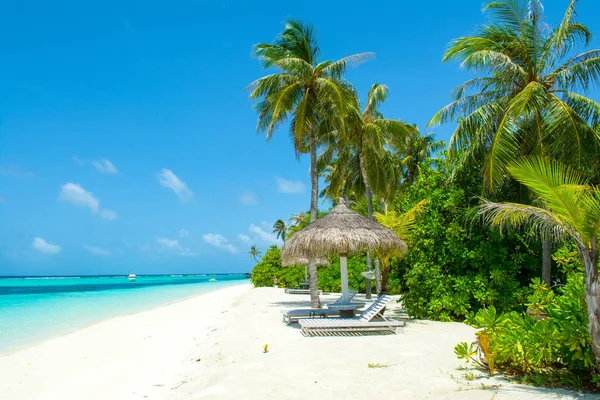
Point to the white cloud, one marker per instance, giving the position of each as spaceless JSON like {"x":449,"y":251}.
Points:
{"x":183,"y":233}
{"x":219,"y":241}
{"x":42,"y":246}
{"x":78,"y":161}
{"x":245,"y":239}
{"x":16,"y":172}
{"x":289,"y":187}
{"x":248,"y":198}
{"x":105,"y":166}
{"x":76,"y":195}
{"x":173,"y":245}
{"x":168,"y":179}
{"x":108,"y":214}
{"x":98,"y":251}
{"x":264,"y":236}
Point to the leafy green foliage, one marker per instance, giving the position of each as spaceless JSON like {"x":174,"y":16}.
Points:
{"x":548,"y":345}
{"x":530,"y":94}
{"x":330,"y":277}
{"x":455,"y":266}
{"x":270,"y":268}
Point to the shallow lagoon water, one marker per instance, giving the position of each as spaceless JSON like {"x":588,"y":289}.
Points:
{"x":37,"y":309}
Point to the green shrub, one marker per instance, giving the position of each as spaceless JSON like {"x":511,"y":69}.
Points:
{"x":330,"y":277}
{"x":455,"y":266}
{"x":548,"y":345}
{"x":270,"y":268}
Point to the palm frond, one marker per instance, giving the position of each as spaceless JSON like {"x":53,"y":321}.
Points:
{"x":557,"y":186}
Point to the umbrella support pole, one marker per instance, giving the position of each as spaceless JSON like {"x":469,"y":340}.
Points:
{"x":344,"y":274}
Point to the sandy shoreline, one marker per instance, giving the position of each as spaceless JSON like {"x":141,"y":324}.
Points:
{"x":211,"y":347}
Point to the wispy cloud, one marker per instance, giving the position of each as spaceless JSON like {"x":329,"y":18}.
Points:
{"x":168,"y":179}
{"x":97,"y":251}
{"x":173,"y":245}
{"x":289,"y":187}
{"x":264,"y":236}
{"x":248,"y":198}
{"x":183,"y":233}
{"x":16,"y":172}
{"x":219,"y":241}
{"x":73,"y":193}
{"x":42,"y":246}
{"x":78,"y":161}
{"x":105,"y":166}
{"x":245,"y":239}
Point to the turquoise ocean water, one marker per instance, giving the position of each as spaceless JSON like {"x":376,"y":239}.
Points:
{"x":36,"y":309}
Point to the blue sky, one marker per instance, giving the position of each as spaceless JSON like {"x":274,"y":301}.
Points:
{"x":128,"y":144}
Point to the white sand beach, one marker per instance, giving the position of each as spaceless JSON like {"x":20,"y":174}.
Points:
{"x":211,"y":347}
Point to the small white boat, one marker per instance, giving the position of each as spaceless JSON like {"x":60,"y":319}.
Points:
{"x":131,"y":277}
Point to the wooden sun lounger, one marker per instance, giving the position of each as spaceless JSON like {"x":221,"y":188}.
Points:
{"x":361,"y":324}
{"x":291,"y":316}
{"x":300,"y":291}
{"x":333,"y":326}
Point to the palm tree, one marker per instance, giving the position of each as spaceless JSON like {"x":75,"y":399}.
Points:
{"x":402,"y":225}
{"x":363,"y":144}
{"x":254,"y":252}
{"x":297,"y":219}
{"x":312,"y":93}
{"x":531,"y":98}
{"x":280,"y":229}
{"x":568,"y":208}
{"x":413,"y":151}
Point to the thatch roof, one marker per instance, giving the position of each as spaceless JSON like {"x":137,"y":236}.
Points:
{"x":342,"y":231}
{"x":305,"y":261}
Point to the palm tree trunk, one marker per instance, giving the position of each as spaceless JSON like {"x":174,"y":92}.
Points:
{"x":313,"y":280}
{"x":547,"y":261}
{"x":369,"y":193}
{"x":377,"y":276}
{"x":385,"y":273}
{"x":589,"y":257}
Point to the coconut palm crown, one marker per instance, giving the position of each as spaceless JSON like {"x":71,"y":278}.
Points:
{"x":530,"y":98}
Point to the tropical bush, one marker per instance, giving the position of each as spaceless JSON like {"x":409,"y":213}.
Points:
{"x":270,"y":268}
{"x":455,"y":266}
{"x":548,"y":345}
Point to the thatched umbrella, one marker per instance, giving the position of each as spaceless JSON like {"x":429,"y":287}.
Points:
{"x":306,"y":262}
{"x":342,"y":232}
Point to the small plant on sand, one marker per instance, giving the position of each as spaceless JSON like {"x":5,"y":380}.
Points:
{"x":377,"y":365}
{"x":266,"y":348}
{"x":470,"y":376}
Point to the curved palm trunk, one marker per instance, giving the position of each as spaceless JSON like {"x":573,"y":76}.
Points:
{"x":313,"y":280}
{"x":547,"y":261}
{"x":369,"y":193}
{"x":378,"y":276}
{"x":589,"y":257}
{"x":385,"y":274}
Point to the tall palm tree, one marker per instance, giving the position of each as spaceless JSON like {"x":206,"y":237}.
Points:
{"x":568,"y":208}
{"x":363,"y":144}
{"x":310,"y":92}
{"x":297,"y":219}
{"x":280,"y":229}
{"x":530,"y":99}
{"x":413,"y":151}
{"x":254,"y":252}
{"x":402,"y":225}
